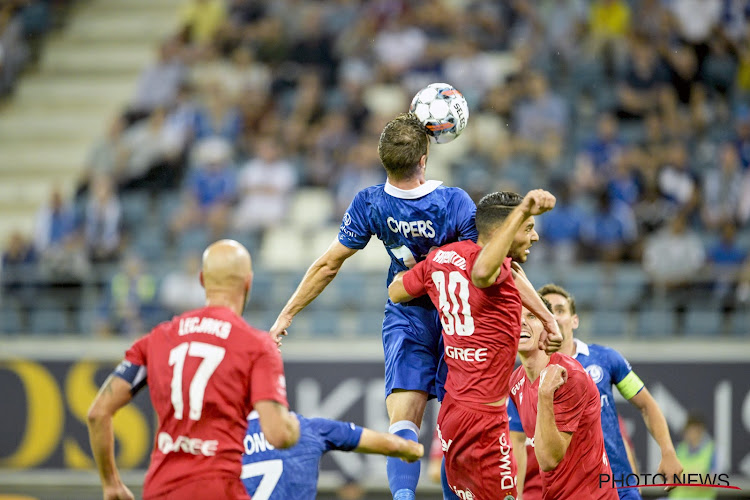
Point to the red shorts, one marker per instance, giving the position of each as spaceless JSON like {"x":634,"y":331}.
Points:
{"x":220,"y":487}
{"x":479,"y":461}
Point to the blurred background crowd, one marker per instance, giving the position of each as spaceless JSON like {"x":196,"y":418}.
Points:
{"x":259,"y":120}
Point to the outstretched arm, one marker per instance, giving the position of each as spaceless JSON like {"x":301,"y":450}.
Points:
{"x":396,"y":290}
{"x":389,"y":445}
{"x":657,"y":427}
{"x":113,"y":395}
{"x":490,"y":259}
{"x":279,"y":425}
{"x":317,"y":277}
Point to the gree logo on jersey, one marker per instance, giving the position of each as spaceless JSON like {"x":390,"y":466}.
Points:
{"x":470,"y":354}
{"x":415,"y":228}
{"x":256,"y":443}
{"x":463,"y":494}
{"x":210,"y":326}
{"x":529,"y":441}
{"x":443,"y":257}
{"x":186,"y":444}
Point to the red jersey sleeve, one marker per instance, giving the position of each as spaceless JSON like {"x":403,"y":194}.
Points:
{"x":415,"y":280}
{"x":570,"y":401}
{"x":504,"y":271}
{"x":267,"y":380}
{"x":137,"y":352}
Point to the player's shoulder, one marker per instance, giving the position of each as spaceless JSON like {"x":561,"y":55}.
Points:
{"x":371,"y":192}
{"x":569,"y":363}
{"x":604,"y":353}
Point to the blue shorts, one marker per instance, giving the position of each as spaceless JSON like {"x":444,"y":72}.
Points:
{"x":413,"y":348}
{"x":629,"y":494}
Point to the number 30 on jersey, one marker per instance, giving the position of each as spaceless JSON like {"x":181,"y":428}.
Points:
{"x":455,"y":311}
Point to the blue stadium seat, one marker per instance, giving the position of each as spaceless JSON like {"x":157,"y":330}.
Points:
{"x":739,"y":323}
{"x":609,"y":323}
{"x":629,"y":283}
{"x":149,"y":242}
{"x":370,"y":322}
{"x":656,"y":323}
{"x":193,"y":240}
{"x":135,"y":209}
{"x":703,"y":322}
{"x":10,"y":318}
{"x":49,"y":321}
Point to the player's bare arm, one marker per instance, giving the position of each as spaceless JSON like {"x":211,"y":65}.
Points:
{"x":551,"y":338}
{"x":490,"y":260}
{"x":396,"y":290}
{"x":279,"y":425}
{"x":113,"y":395}
{"x":518,"y":440}
{"x":389,"y":445}
{"x":657,"y":427}
{"x":317,"y":277}
{"x":550,"y":444}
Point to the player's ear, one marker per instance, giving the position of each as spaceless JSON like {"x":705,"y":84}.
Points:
{"x":200,"y":275}
{"x":574,"y":321}
{"x":423,"y":161}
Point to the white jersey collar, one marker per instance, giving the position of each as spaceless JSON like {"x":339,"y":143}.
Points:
{"x":581,"y":348}
{"x":412,"y":194}
{"x":253,"y":415}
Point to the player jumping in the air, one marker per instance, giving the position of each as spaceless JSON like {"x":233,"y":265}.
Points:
{"x":272,"y":474}
{"x":472,"y":285}
{"x":206,"y":370}
{"x":411,"y":216}
{"x":559,"y":408}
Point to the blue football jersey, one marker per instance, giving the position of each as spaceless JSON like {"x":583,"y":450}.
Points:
{"x":271,"y":474}
{"x":608,"y":367}
{"x":410,"y":223}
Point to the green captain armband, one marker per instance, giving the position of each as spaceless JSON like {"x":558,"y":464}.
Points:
{"x":630,"y":385}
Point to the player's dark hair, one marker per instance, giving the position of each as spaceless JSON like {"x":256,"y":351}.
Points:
{"x":402,"y":144}
{"x":558,"y":290}
{"x":547,"y":303}
{"x":493,"y":208}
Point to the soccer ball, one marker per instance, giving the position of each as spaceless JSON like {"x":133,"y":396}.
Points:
{"x":442,"y":109}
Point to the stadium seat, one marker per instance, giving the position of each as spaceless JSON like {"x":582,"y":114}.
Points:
{"x":49,"y":321}
{"x":585,"y":282}
{"x":311,"y":208}
{"x":10,"y":319}
{"x":284,"y":248}
{"x":370,"y":322}
{"x":135,"y":209}
{"x":149,"y":242}
{"x":703,"y":322}
{"x":609,"y":323}
{"x":629,"y":282}
{"x":656,"y":323}
{"x":739,"y":323}
{"x":193,"y":240}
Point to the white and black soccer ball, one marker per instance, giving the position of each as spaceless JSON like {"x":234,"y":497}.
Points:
{"x":442,"y":109}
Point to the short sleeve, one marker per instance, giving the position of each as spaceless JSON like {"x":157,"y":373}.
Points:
{"x":355,"y":231}
{"x":626,"y":381}
{"x":415,"y":279}
{"x":343,"y":436}
{"x":267,"y":382}
{"x":570,"y":401}
{"x":132,"y":369}
{"x":514,"y":419}
{"x":505,"y":271}
{"x":466,"y":211}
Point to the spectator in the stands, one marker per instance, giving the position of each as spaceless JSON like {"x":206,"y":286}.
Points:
{"x":201,"y":22}
{"x":180,"y":290}
{"x":14,"y":52}
{"x":218,"y":117}
{"x":643,"y":89}
{"x":722,"y":189}
{"x":18,"y":275}
{"x":158,"y":83}
{"x":266,"y":183}
{"x":726,"y":258}
{"x":561,"y":230}
{"x":55,"y":223}
{"x":102,"y":221}
{"x":676,"y":178}
{"x":610,"y":232}
{"x":210,"y":189}
{"x":130,"y":300}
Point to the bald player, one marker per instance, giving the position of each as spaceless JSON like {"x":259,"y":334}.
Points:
{"x":206,"y":370}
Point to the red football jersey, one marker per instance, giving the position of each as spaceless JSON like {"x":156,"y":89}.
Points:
{"x":205,"y":370}
{"x":481,"y":326}
{"x":577,"y":410}
{"x":532,"y":485}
